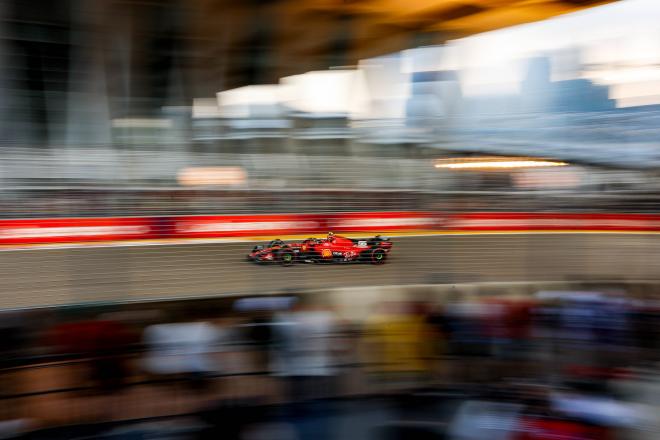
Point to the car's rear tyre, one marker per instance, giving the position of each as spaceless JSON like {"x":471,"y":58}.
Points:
{"x":378,"y":256}
{"x":287,"y":257}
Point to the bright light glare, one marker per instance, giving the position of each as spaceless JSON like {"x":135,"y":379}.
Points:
{"x":509,"y":163}
{"x":257,"y":94}
{"x":208,"y":176}
{"x":243,"y":101}
{"x":325,"y":92}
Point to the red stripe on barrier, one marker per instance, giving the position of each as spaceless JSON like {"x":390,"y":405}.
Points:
{"x":245,"y":225}
{"x":250,"y":225}
{"x":76,"y":230}
{"x":65,"y":230}
{"x":384,"y":221}
{"x":518,"y":221}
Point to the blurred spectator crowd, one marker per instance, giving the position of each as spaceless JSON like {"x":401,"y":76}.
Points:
{"x":573,"y":365}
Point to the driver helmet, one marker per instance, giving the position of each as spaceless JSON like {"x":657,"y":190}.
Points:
{"x":331,"y":235}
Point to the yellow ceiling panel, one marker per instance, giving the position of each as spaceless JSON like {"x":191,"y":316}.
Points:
{"x":497,"y":18}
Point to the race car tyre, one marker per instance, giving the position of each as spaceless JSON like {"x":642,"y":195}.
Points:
{"x":287,"y":257}
{"x":378,"y":256}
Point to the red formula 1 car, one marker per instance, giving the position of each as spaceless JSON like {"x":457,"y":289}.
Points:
{"x":333,"y":249}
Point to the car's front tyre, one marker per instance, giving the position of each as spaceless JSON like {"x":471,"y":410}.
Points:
{"x":378,"y":256}
{"x":286,"y":257}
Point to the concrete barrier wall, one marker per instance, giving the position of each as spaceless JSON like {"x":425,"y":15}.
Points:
{"x":355,"y":304}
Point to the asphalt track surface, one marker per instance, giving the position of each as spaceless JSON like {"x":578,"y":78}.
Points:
{"x":59,"y":276}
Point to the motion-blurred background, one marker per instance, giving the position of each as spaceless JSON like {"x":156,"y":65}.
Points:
{"x":109,"y":107}
{"x":510,"y":148}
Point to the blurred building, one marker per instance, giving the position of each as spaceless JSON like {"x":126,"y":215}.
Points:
{"x":85,"y":73}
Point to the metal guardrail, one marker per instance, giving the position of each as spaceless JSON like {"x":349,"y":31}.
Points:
{"x":93,"y":201}
{"x":102,"y":181}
